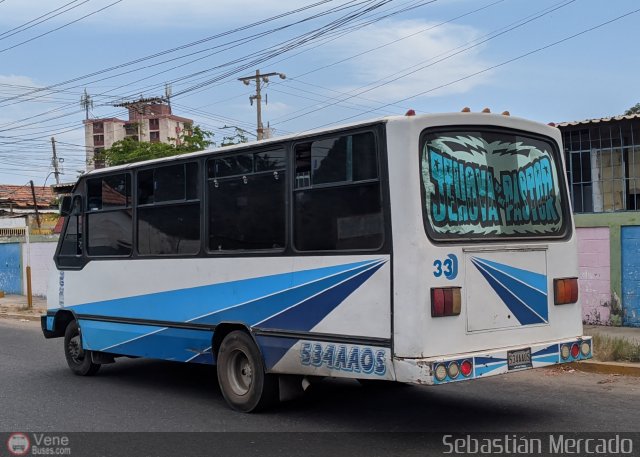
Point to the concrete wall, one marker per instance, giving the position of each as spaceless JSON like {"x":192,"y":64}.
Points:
{"x":41,"y":265}
{"x":615,"y":222}
{"x":595,"y":279}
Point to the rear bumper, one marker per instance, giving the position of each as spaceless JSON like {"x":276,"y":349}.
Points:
{"x":489,"y":363}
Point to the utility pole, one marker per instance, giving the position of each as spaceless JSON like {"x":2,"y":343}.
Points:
{"x":54,"y":161}
{"x":259,"y":79}
{"x":35,"y":203}
{"x":87,"y":103}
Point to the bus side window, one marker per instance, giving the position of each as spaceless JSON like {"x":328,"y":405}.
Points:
{"x":247,"y":209}
{"x":71,"y":248}
{"x":337,"y":196}
{"x":109,"y":218}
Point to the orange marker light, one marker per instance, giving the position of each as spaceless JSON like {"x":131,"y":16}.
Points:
{"x":565,"y":290}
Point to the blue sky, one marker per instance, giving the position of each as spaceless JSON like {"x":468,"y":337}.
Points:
{"x":432,"y":56}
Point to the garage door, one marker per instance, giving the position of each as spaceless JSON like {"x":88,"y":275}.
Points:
{"x":10,"y":268}
{"x":595,"y":279}
{"x":631,"y":276}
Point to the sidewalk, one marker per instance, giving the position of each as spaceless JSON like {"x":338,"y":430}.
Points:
{"x":630,"y":333}
{"x":15,"y":306}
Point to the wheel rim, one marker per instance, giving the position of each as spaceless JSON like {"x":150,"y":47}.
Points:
{"x":74,"y":348}
{"x":239,"y":372}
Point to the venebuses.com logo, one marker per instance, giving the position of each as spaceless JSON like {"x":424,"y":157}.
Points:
{"x":18,"y":444}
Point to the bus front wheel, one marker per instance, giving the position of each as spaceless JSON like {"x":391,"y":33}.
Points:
{"x":241,"y":374}
{"x":78,"y":359}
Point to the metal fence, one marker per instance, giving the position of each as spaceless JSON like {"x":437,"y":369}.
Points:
{"x":603,"y":164}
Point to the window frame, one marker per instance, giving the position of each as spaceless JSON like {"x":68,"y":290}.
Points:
{"x":81,"y":259}
{"x":439,"y":240}
{"x":186,"y":201}
{"x":382,"y":180}
{"x":88,"y":212}
{"x":284,"y":147}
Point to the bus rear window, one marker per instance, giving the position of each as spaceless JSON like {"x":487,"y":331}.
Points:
{"x":490,"y":184}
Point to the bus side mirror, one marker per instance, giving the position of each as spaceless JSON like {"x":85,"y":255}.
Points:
{"x":66,"y":205}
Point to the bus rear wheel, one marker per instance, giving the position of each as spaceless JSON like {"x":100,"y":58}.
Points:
{"x":244,"y":384}
{"x":78,"y":359}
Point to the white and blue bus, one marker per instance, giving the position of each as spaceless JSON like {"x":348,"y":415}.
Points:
{"x":419,"y":249}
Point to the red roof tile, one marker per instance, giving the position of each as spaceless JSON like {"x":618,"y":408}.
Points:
{"x":21,"y":196}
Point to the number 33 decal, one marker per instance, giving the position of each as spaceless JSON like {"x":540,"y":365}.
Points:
{"x":448,"y":267}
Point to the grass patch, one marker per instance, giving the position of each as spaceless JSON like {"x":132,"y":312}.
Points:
{"x":607,"y":348}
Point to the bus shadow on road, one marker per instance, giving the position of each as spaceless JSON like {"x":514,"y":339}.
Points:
{"x":343,"y":404}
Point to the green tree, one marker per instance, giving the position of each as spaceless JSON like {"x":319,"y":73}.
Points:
{"x":238,"y":137}
{"x":130,"y":150}
{"x":635,"y":109}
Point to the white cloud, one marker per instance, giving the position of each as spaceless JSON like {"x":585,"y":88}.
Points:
{"x":410,"y":55}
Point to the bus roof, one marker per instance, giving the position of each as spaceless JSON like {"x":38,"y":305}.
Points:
{"x":469,"y":118}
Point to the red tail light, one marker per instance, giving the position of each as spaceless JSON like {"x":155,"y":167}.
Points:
{"x":565,"y":290}
{"x":445,"y":301}
{"x":465,"y":368}
{"x":575,"y":350}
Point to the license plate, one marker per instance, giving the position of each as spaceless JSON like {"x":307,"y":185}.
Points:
{"x":519,"y":359}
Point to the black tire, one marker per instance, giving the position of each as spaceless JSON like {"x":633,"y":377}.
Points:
{"x":78,"y":359}
{"x":241,"y":375}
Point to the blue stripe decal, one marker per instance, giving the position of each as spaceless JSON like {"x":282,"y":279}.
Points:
{"x":185,"y":304}
{"x":553,"y":349}
{"x":487,"y":360}
{"x":306,"y":315}
{"x":98,"y":335}
{"x":315,"y":292}
{"x":522,"y":313}
{"x":535,"y":280}
{"x":481,"y":370}
{"x":534,"y":298}
{"x":546,"y":359}
{"x":259,"y":310}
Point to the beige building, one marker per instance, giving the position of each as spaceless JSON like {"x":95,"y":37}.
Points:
{"x":149,"y":120}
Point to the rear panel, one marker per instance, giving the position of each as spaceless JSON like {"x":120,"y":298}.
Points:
{"x":461,"y":220}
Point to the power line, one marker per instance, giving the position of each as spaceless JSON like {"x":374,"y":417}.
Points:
{"x":184,"y":46}
{"x":501,"y":64}
{"x":8,"y":33}
{"x":61,"y":27}
{"x":447,"y":55}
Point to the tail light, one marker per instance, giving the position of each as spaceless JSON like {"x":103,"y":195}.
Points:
{"x":465,"y":368}
{"x":445,"y":301}
{"x":453,"y":370}
{"x":565,"y":290}
{"x":575,"y":350}
{"x":441,"y":372}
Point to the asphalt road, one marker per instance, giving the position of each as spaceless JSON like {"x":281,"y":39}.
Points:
{"x":38,"y":392}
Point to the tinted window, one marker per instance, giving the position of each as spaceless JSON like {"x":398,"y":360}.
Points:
{"x":109,"y":233}
{"x":248,"y":212}
{"x":338,"y":218}
{"x":169,"y":183}
{"x":240,"y":164}
{"x":333,"y":160}
{"x":169,"y":229}
{"x":109,"y":192}
{"x":71,"y":247}
{"x":167,"y":225}
{"x":337,"y":201}
{"x":109,"y":223}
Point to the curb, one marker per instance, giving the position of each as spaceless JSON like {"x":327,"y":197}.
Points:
{"x":29,"y":317}
{"x":619,"y":368}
